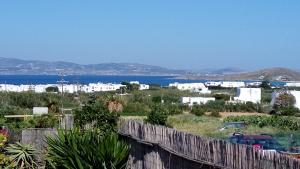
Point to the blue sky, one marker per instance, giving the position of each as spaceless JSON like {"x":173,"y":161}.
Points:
{"x":191,"y":34}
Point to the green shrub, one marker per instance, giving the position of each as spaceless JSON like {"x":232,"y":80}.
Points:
{"x":86,"y":149}
{"x":198,"y":110}
{"x":45,"y":121}
{"x":158,"y":115}
{"x":5,"y":161}
{"x":221,"y":106}
{"x":52,"y":89}
{"x":284,"y":100}
{"x":215,"y":114}
{"x":96,"y":114}
{"x":174,"y":109}
{"x":223,"y":97}
{"x":288,"y":111}
{"x":265,"y":84}
{"x":136,"y":108}
{"x":262,"y":121}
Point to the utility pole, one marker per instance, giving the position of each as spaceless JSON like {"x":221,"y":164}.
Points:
{"x":61,"y":82}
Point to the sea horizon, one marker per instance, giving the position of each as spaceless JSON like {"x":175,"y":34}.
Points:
{"x":86,"y":79}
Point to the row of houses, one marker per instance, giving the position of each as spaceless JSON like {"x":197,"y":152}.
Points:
{"x":243,"y":95}
{"x":195,"y":87}
{"x":203,"y":87}
{"x":226,"y":84}
{"x":68,"y":88}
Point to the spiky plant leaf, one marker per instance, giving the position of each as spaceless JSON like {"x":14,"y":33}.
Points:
{"x":23,"y":155}
{"x":86,"y":150}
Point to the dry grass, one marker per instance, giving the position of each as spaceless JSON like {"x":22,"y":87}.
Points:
{"x":226,"y":114}
{"x":204,"y":126}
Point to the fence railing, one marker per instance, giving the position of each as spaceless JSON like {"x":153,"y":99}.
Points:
{"x":208,"y":151}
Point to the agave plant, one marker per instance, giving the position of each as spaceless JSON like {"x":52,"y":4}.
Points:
{"x":22,"y":155}
{"x":86,"y":150}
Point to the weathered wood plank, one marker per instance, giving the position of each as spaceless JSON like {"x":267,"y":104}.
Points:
{"x":174,"y":149}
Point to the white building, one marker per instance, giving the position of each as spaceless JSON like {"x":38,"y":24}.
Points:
{"x":296,"y":94}
{"x":213,"y":84}
{"x":101,"y":87}
{"x":196,"y":100}
{"x":202,"y":91}
{"x":67,"y":88}
{"x":187,"y":86}
{"x":248,"y":95}
{"x":141,"y":86}
{"x":256,"y":84}
{"x":292,"y":84}
{"x":233,"y":84}
{"x":144,"y":87}
{"x":134,"y":82}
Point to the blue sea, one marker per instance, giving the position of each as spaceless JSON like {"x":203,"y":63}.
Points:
{"x":85,"y":79}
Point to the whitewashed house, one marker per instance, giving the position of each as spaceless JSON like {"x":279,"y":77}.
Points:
{"x":248,"y":95}
{"x":40,"y":88}
{"x":69,"y":88}
{"x":292,"y":84}
{"x":196,"y":100}
{"x":144,"y":87}
{"x":256,"y":84}
{"x":101,"y":87}
{"x":187,"y":86}
{"x":134,"y":82}
{"x":233,"y":84}
{"x":213,"y":84}
{"x":141,"y":86}
{"x":202,"y":91}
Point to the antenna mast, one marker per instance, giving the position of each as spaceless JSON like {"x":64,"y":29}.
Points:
{"x":62,"y":82}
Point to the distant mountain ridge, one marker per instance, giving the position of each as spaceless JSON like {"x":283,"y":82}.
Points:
{"x":11,"y":66}
{"x":273,"y":74}
{"x":277,"y":73}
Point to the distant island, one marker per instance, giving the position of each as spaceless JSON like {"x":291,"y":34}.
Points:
{"x":12,"y":66}
{"x":9,"y":66}
{"x":272,"y":74}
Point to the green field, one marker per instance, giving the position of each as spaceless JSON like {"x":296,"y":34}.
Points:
{"x":209,"y":127}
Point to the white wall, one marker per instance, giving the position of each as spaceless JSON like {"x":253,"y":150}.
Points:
{"x":196,"y":100}
{"x":213,"y":84}
{"x":248,"y":95}
{"x":187,"y":86}
{"x":293,"y":84}
{"x":40,"y":110}
{"x":144,"y":87}
{"x":233,"y":84}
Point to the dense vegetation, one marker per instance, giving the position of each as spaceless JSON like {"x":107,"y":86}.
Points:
{"x":221,"y":106}
{"x":86,"y":150}
{"x":261,"y":121}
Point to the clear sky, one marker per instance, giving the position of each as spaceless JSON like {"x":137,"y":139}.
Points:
{"x":188,"y":34}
